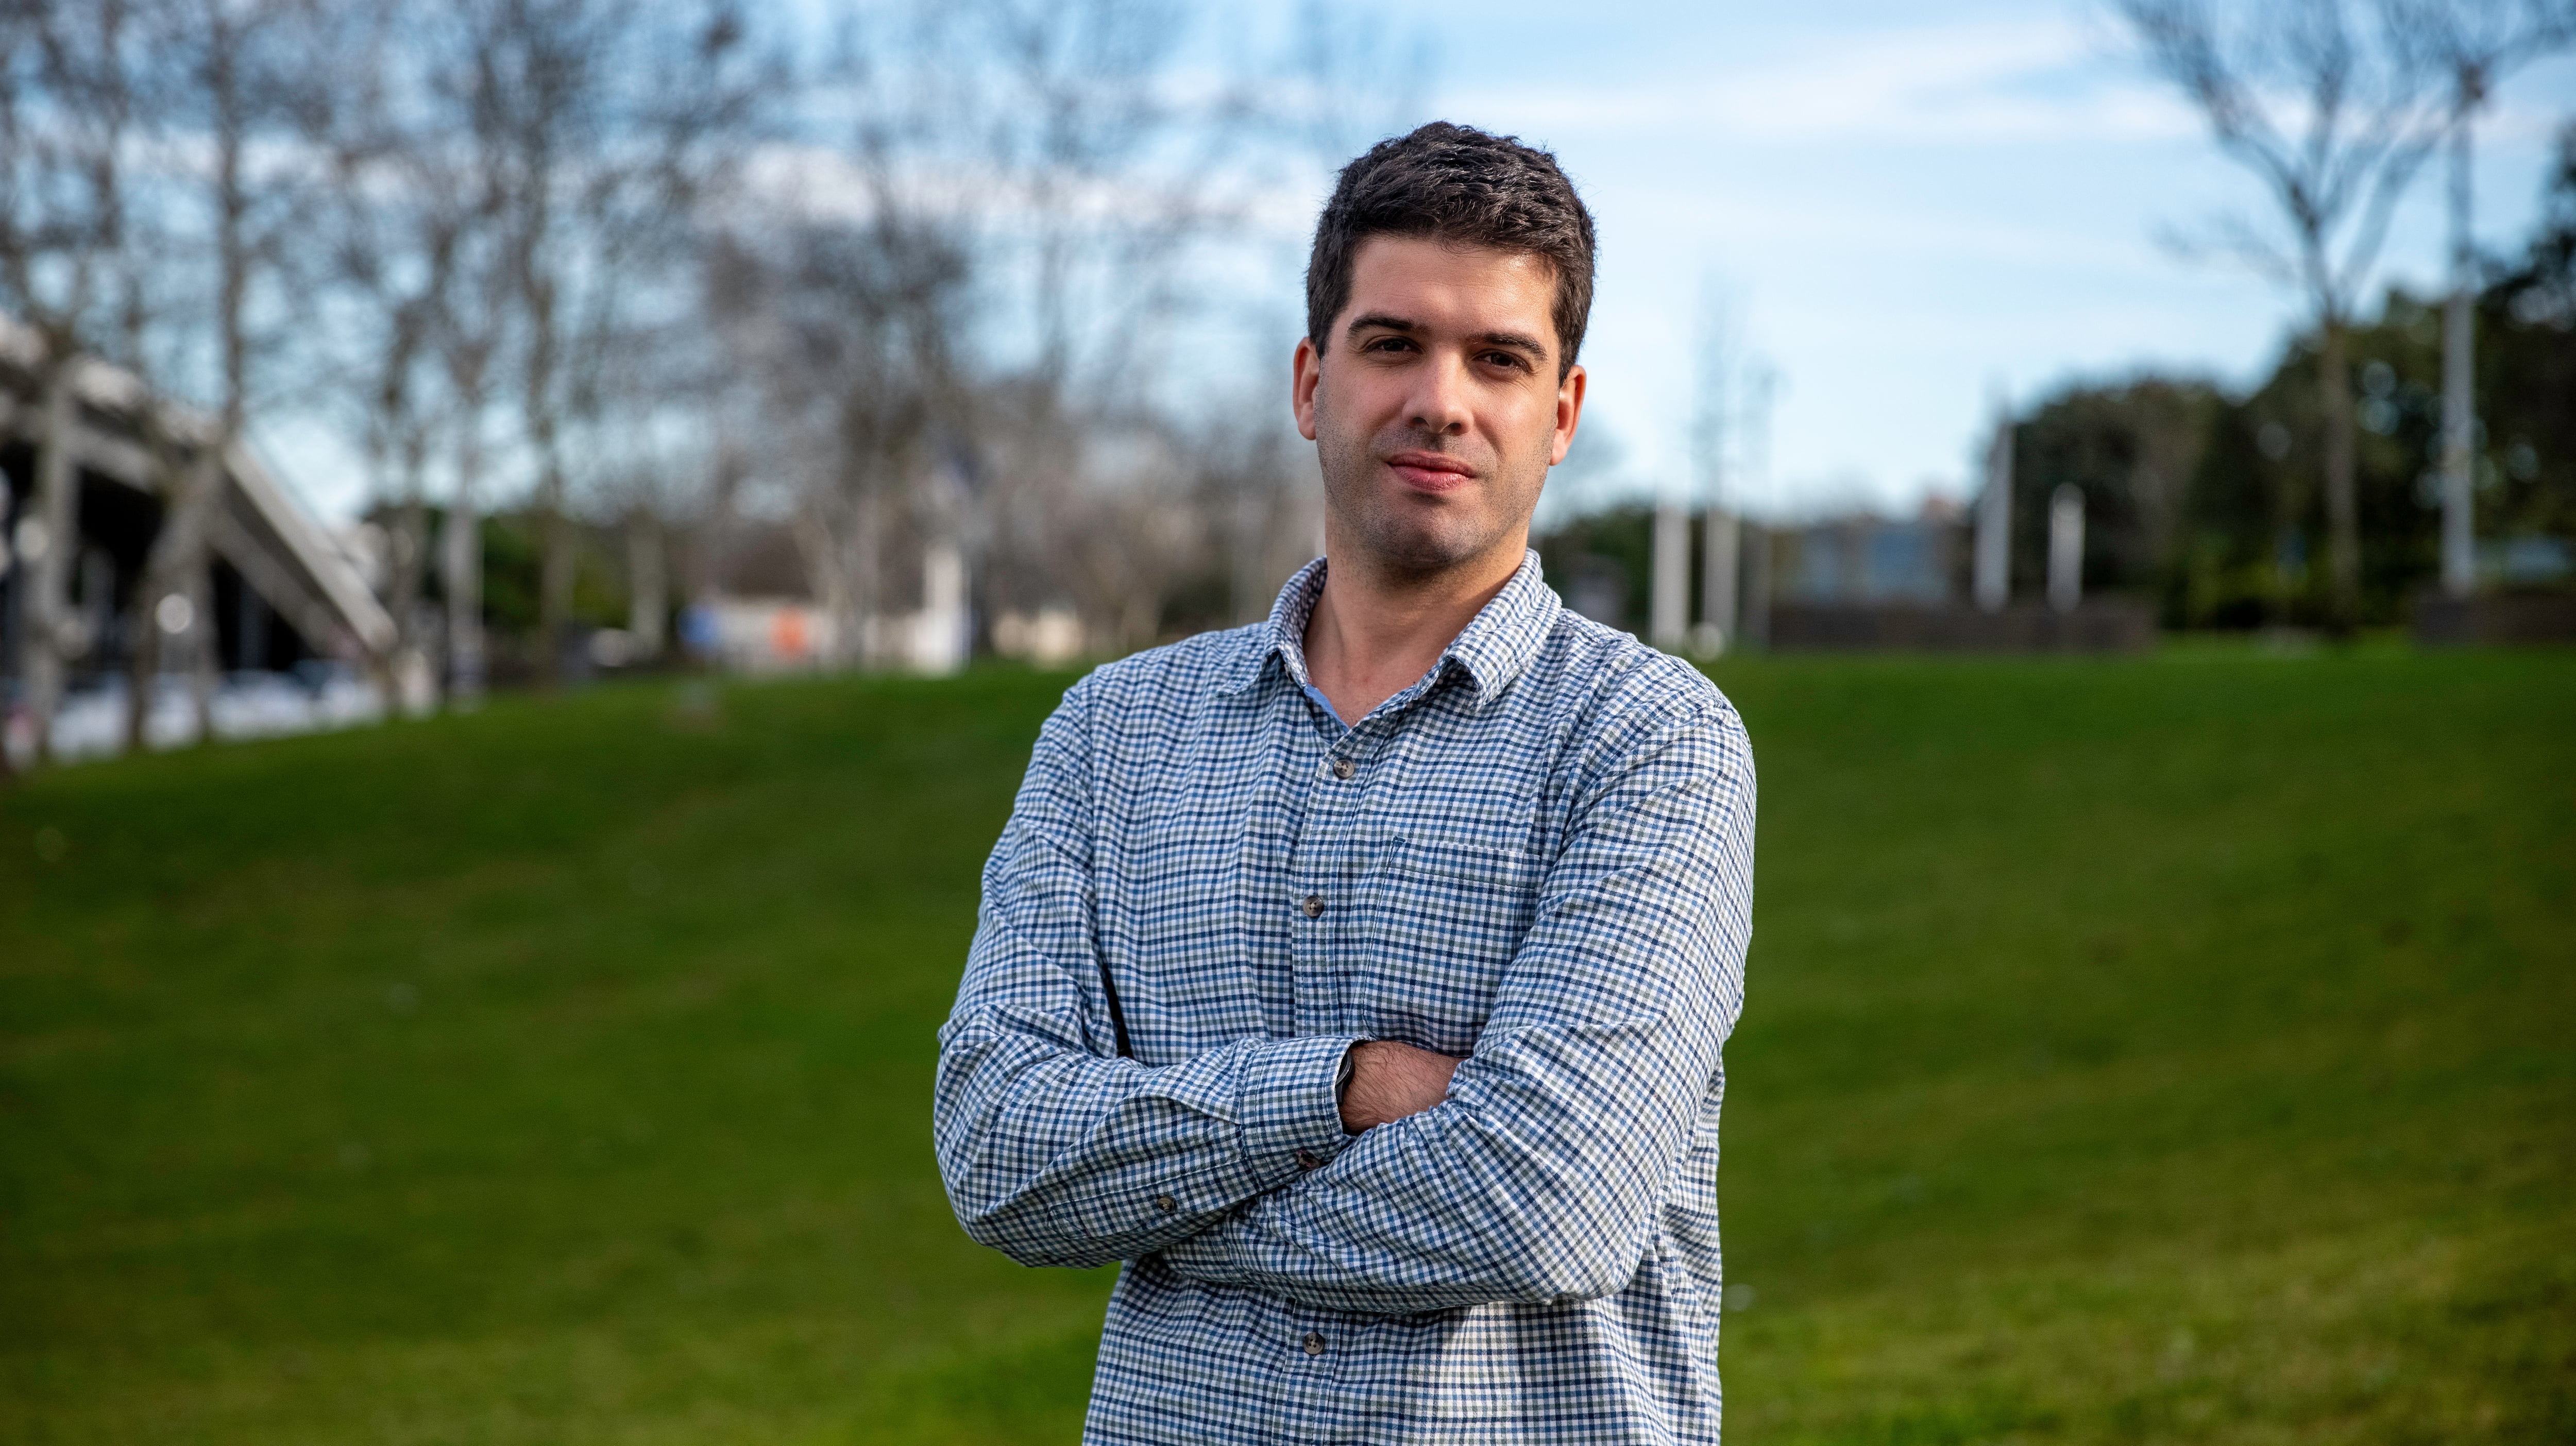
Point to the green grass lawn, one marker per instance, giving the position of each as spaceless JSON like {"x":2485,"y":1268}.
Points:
{"x":2180,"y":1049}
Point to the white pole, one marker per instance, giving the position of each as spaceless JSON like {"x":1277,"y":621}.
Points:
{"x":1668,"y":614}
{"x":1723,"y":540}
{"x":461,"y":566}
{"x":2459,"y":398}
{"x":1761,"y":389}
{"x":2065,"y":547}
{"x":941,"y":642}
{"x":1718,"y":535}
{"x":1994,"y":521}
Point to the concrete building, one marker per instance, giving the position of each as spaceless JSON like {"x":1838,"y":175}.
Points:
{"x":284,"y":596}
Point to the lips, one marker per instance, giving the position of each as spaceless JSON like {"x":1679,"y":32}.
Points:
{"x":1430,"y":471}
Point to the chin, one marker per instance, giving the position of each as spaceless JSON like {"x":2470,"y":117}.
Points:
{"x":1409,"y":545}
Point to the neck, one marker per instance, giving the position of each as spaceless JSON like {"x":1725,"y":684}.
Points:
{"x":1376,"y":629}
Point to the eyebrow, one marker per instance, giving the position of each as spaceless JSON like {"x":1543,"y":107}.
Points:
{"x":1516,"y":340}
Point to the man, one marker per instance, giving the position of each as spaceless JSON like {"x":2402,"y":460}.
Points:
{"x":1360,"y":978}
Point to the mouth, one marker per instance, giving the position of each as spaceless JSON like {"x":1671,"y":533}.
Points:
{"x":1430,"y":471}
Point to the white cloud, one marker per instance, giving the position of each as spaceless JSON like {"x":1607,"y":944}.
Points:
{"x":2048,"y":80}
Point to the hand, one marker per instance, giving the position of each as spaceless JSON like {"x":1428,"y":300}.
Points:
{"x":1390,"y":1081}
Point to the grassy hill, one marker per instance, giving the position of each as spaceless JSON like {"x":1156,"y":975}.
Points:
{"x":2159,"y":1050}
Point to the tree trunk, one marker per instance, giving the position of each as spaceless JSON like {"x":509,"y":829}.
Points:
{"x":867,"y":583}
{"x":554,"y":594}
{"x":2343,"y":515}
{"x":461,"y":565}
{"x":56,"y":510}
{"x":2459,"y":395}
{"x":823,"y":546}
{"x":538,"y":405}
{"x":1245,"y":602}
{"x":405,"y":670}
{"x":205,"y":661}
{"x":1137,"y":618}
{"x":177,"y":566}
{"x":648,"y":588}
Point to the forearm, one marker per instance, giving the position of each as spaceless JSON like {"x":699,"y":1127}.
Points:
{"x":1057,"y":1156}
{"x":1053,"y":1150}
{"x":1497,"y":1195}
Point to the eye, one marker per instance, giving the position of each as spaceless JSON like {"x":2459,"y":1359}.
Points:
{"x":1510,"y":360}
{"x":1387,"y":344}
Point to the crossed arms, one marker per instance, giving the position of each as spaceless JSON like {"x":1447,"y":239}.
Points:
{"x":1539,"y":1175}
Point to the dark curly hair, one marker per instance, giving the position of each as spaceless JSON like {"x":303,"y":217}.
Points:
{"x":1456,"y":184}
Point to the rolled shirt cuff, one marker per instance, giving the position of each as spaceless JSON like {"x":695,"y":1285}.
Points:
{"x":1289,"y":1104}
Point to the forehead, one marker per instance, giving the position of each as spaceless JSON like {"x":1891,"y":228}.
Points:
{"x":1442,"y":285}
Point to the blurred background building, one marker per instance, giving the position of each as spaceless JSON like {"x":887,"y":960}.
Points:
{"x":267,"y":637}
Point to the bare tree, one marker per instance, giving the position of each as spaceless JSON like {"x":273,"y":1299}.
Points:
{"x":1080,"y":96}
{"x":408,"y":210}
{"x":475,"y":326}
{"x":957,"y":324}
{"x":67,"y":99}
{"x":1075,"y":101}
{"x":649,"y":389}
{"x":1346,"y":82}
{"x":848,"y":329}
{"x":236,"y":85}
{"x":542,"y":68}
{"x":960,"y":350}
{"x":1127,"y":527}
{"x":1260,"y":486}
{"x":609,"y":121}
{"x":1124,"y":172}
{"x":953,"y":323}
{"x":427,"y":304}
{"x":2475,"y":44}
{"x":2334,"y":116}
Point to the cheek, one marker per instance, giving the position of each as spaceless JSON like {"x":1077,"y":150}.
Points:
{"x":1331,"y":436}
{"x":1360,"y":398}
{"x":1341,"y":441}
{"x":1533,"y":432}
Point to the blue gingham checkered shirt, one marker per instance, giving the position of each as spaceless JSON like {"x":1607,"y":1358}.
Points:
{"x":1540,"y":856}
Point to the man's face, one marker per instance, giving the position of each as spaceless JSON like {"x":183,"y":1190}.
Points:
{"x":1434,"y":402}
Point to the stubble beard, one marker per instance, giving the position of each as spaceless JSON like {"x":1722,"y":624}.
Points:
{"x":1427,"y":542}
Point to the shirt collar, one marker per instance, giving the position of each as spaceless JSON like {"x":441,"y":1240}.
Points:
{"x":1494,"y":649}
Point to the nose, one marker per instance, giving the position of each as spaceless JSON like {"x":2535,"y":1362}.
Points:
{"x":1440,"y":399}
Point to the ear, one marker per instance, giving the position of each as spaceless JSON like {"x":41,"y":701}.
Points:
{"x":1569,"y":411}
{"x":1306,"y":373}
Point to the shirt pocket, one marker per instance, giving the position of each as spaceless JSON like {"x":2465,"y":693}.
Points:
{"x":1446,"y":916}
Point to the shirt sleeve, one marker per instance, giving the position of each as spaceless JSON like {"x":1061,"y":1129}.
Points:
{"x":1542,"y":1175}
{"x":1055,"y":1151}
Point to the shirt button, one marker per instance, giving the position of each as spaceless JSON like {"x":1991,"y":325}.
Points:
{"x":1313,"y":904}
{"x":1309,"y":1160}
{"x":1166,"y":1202}
{"x":1343,"y":768}
{"x":1314,"y":1343}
